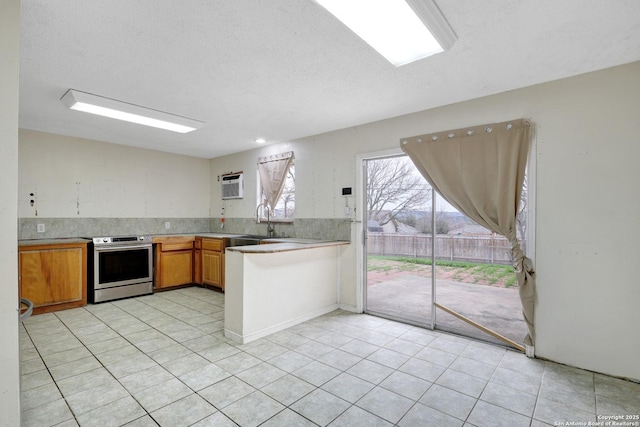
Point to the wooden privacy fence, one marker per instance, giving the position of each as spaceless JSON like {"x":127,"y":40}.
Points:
{"x":485,"y":249}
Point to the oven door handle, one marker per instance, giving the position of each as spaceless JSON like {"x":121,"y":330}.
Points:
{"x":119,"y":248}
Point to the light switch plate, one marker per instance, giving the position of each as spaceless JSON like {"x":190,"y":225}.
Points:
{"x":41,"y":228}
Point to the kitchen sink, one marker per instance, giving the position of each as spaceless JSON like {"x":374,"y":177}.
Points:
{"x":247,"y":239}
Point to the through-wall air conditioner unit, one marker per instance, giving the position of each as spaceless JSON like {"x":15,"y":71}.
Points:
{"x":232,"y":186}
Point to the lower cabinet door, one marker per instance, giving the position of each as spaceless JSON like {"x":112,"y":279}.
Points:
{"x":52,"y":276}
{"x":176,"y":268}
{"x":211,"y":268}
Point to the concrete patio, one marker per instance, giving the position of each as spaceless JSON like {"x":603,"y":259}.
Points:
{"x":408,"y":296}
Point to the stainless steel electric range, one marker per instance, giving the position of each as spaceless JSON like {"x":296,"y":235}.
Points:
{"x":122,"y":267}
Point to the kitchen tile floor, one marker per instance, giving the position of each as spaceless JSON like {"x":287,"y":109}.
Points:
{"x":163,"y":360}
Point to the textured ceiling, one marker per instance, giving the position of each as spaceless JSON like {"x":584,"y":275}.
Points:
{"x":286,"y":69}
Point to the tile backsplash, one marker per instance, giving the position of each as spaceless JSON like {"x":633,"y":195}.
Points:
{"x":55,"y":228}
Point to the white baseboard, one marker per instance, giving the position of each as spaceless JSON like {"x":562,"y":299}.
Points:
{"x":244,"y":339}
{"x":349,"y":307}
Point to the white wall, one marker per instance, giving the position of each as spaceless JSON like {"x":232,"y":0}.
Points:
{"x":74,"y":177}
{"x":588,"y":204}
{"x":9,"y":347}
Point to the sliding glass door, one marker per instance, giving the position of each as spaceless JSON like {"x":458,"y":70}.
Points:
{"x":461,"y":282}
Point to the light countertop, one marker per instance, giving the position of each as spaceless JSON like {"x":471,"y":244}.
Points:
{"x":38,"y":242}
{"x":284,"y":247}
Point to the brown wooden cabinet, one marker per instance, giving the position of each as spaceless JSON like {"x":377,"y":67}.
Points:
{"x":213,"y":262}
{"x":197,"y":261}
{"x":53,"y":275}
{"x":174,"y":261}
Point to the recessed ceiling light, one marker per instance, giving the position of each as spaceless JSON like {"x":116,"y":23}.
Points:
{"x":89,"y":103}
{"x":401,"y":31}
{"x":260,"y":140}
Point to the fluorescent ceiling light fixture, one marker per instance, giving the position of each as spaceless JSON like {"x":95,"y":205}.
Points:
{"x":401,"y":31}
{"x":260,"y":140}
{"x":82,"y":101}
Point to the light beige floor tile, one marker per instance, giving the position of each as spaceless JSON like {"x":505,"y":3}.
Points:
{"x":487,"y":415}
{"x":204,"y":377}
{"x":320,"y":407}
{"x":518,"y":362}
{"x":201,"y":343}
{"x":405,"y":347}
{"x":261,"y":375}
{"x":183,"y":412}
{"x":385,"y":404}
{"x":218,"y":352}
{"x":80,"y":383}
{"x":31,"y":365}
{"x":316,"y":373}
{"x":225,"y":392}
{"x":370,"y":371}
{"x":95,"y":397}
{"x":119,"y":412}
{"x":185,"y":364}
{"x":162,"y":394}
{"x":473,"y":367}
{"x":70,"y":369}
{"x":444,"y":343}
{"x":509,"y":398}
{"x":238,"y":362}
{"x":339,"y":359}
{"x":290,"y":361}
{"x":552,"y":412}
{"x":348,"y":387}
{"x":55,"y":359}
{"x":145,"y":379}
{"x":290,"y":419}
{"x":253,"y":409}
{"x":577,"y":397}
{"x":355,"y":416}
{"x":463,"y":383}
{"x":118,"y":354}
{"x":103,"y":346}
{"x":389,"y":358}
{"x":39,"y":396}
{"x":422,"y":369}
{"x":485,"y":353}
{"x":130,"y":365}
{"x":288,"y":389}
{"x":448,"y":401}
{"x":216,"y":420}
{"x":517,"y":380}
{"x":406,"y":385}
{"x":144,"y":421}
{"x":266,"y":350}
{"x":46,"y":415}
{"x":59,"y":345}
{"x":35,"y":379}
{"x":423,"y":416}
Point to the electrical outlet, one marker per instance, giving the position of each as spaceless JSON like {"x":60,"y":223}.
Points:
{"x":167,"y":225}
{"x":41,"y":228}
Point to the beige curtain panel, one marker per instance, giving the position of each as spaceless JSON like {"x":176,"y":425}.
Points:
{"x":480,"y":171}
{"x":273,"y":174}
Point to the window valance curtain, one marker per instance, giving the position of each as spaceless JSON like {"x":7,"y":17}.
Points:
{"x":480,"y":171}
{"x":273,"y":171}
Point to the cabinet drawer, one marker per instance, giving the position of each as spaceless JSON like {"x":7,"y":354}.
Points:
{"x":178,"y":246}
{"x":212,"y":245}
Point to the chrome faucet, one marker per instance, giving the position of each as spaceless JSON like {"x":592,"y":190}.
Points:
{"x":270,"y":228}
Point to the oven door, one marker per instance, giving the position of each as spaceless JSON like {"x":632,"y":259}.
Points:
{"x":122,"y":265}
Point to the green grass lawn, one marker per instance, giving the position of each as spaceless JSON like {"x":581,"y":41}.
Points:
{"x":491,"y":274}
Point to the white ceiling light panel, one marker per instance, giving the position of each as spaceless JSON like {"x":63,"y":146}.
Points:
{"x":89,"y":103}
{"x":401,"y":31}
